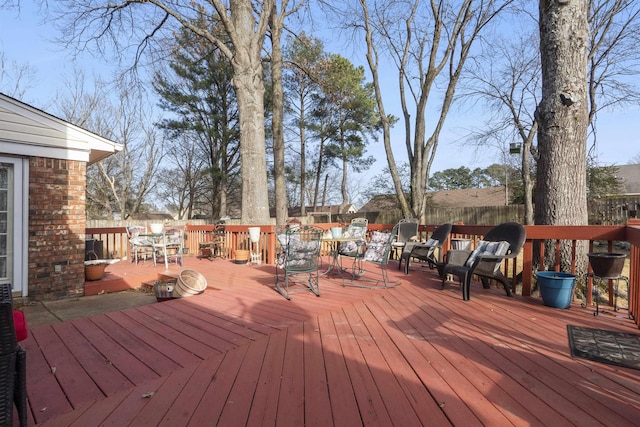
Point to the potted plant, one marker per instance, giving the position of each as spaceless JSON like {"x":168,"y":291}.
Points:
{"x":94,"y":269}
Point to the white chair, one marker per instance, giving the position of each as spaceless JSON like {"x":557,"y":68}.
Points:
{"x":140,"y":245}
{"x":171,"y":245}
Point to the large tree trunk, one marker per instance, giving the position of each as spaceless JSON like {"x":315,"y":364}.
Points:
{"x":250,"y":92}
{"x":561,"y":197}
{"x":278,"y":120}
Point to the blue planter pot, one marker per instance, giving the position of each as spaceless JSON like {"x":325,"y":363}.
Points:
{"x":556,"y":288}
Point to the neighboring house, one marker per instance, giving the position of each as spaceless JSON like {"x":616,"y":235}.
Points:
{"x":464,"y":198}
{"x":629,"y":176}
{"x":620,"y":207}
{"x":43,"y":164}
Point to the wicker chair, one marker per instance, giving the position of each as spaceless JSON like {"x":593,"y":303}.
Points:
{"x":405,"y":231}
{"x":505,"y":240}
{"x":425,"y":251}
{"x":13,"y":364}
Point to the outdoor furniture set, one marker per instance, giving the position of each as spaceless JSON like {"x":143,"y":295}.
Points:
{"x":299,"y":261}
{"x":160,"y":241}
{"x":505,"y":241}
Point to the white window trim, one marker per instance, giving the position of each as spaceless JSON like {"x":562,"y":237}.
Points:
{"x":20,"y":223}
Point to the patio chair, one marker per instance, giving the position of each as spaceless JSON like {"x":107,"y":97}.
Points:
{"x":406,"y":231}
{"x":425,"y":251}
{"x":140,"y":245}
{"x":357,"y":229}
{"x":13,"y":364}
{"x":172,"y":245}
{"x":378,"y":250}
{"x":502,"y":242}
{"x":298,"y":261}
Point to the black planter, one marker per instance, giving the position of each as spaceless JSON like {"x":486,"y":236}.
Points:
{"x":607,"y":265}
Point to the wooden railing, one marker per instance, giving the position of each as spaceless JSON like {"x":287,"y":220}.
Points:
{"x":115,"y":245}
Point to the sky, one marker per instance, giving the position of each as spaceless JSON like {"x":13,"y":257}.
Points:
{"x":25,"y":39}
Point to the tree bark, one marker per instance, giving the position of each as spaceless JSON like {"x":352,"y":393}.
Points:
{"x":249,"y":85}
{"x":561,"y":196}
{"x":277,"y":123}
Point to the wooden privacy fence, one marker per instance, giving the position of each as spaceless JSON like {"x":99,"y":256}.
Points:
{"x":115,"y":245}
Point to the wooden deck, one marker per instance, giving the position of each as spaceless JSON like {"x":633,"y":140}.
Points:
{"x":408,"y":356}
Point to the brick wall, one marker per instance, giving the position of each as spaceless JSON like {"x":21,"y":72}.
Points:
{"x":57,"y":192}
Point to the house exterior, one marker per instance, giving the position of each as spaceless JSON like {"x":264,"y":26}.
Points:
{"x":43,"y":164}
{"x":466,"y":197}
{"x":629,"y":177}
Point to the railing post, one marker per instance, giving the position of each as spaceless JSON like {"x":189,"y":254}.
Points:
{"x":527,"y":267}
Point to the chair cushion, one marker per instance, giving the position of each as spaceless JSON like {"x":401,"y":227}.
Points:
{"x":432,"y":242}
{"x":20,"y":324}
{"x":302,"y":253}
{"x":376,"y":247}
{"x":484,"y":248}
{"x":379,"y":237}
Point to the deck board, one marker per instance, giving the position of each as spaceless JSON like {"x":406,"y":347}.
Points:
{"x":264,"y":408}
{"x":243,"y":355}
{"x":158,"y":341}
{"x":108,"y":379}
{"x":316,"y":389}
{"x":370,"y":403}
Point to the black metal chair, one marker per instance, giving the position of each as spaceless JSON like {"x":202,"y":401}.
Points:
{"x":425,"y":251}
{"x":486,"y":259}
{"x":13,"y":364}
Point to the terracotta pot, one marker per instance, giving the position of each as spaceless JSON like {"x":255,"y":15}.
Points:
{"x":94,"y":272}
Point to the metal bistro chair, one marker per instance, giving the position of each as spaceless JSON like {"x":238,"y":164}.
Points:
{"x":378,"y":250}
{"x":298,"y":261}
{"x":425,"y":251}
{"x":13,"y":364}
{"x":173,"y":244}
{"x":357,"y":229}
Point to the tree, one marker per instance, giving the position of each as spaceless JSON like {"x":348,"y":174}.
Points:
{"x":276,"y":26}
{"x":184,"y":183}
{"x":508,"y":80}
{"x":602,"y":181}
{"x":110,"y":27}
{"x":508,"y":83}
{"x":429,"y":43}
{"x":351,"y":111}
{"x":124,"y":182}
{"x":197,"y":89}
{"x":15,"y":78}
{"x":305,"y":57}
{"x":562,"y":115}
